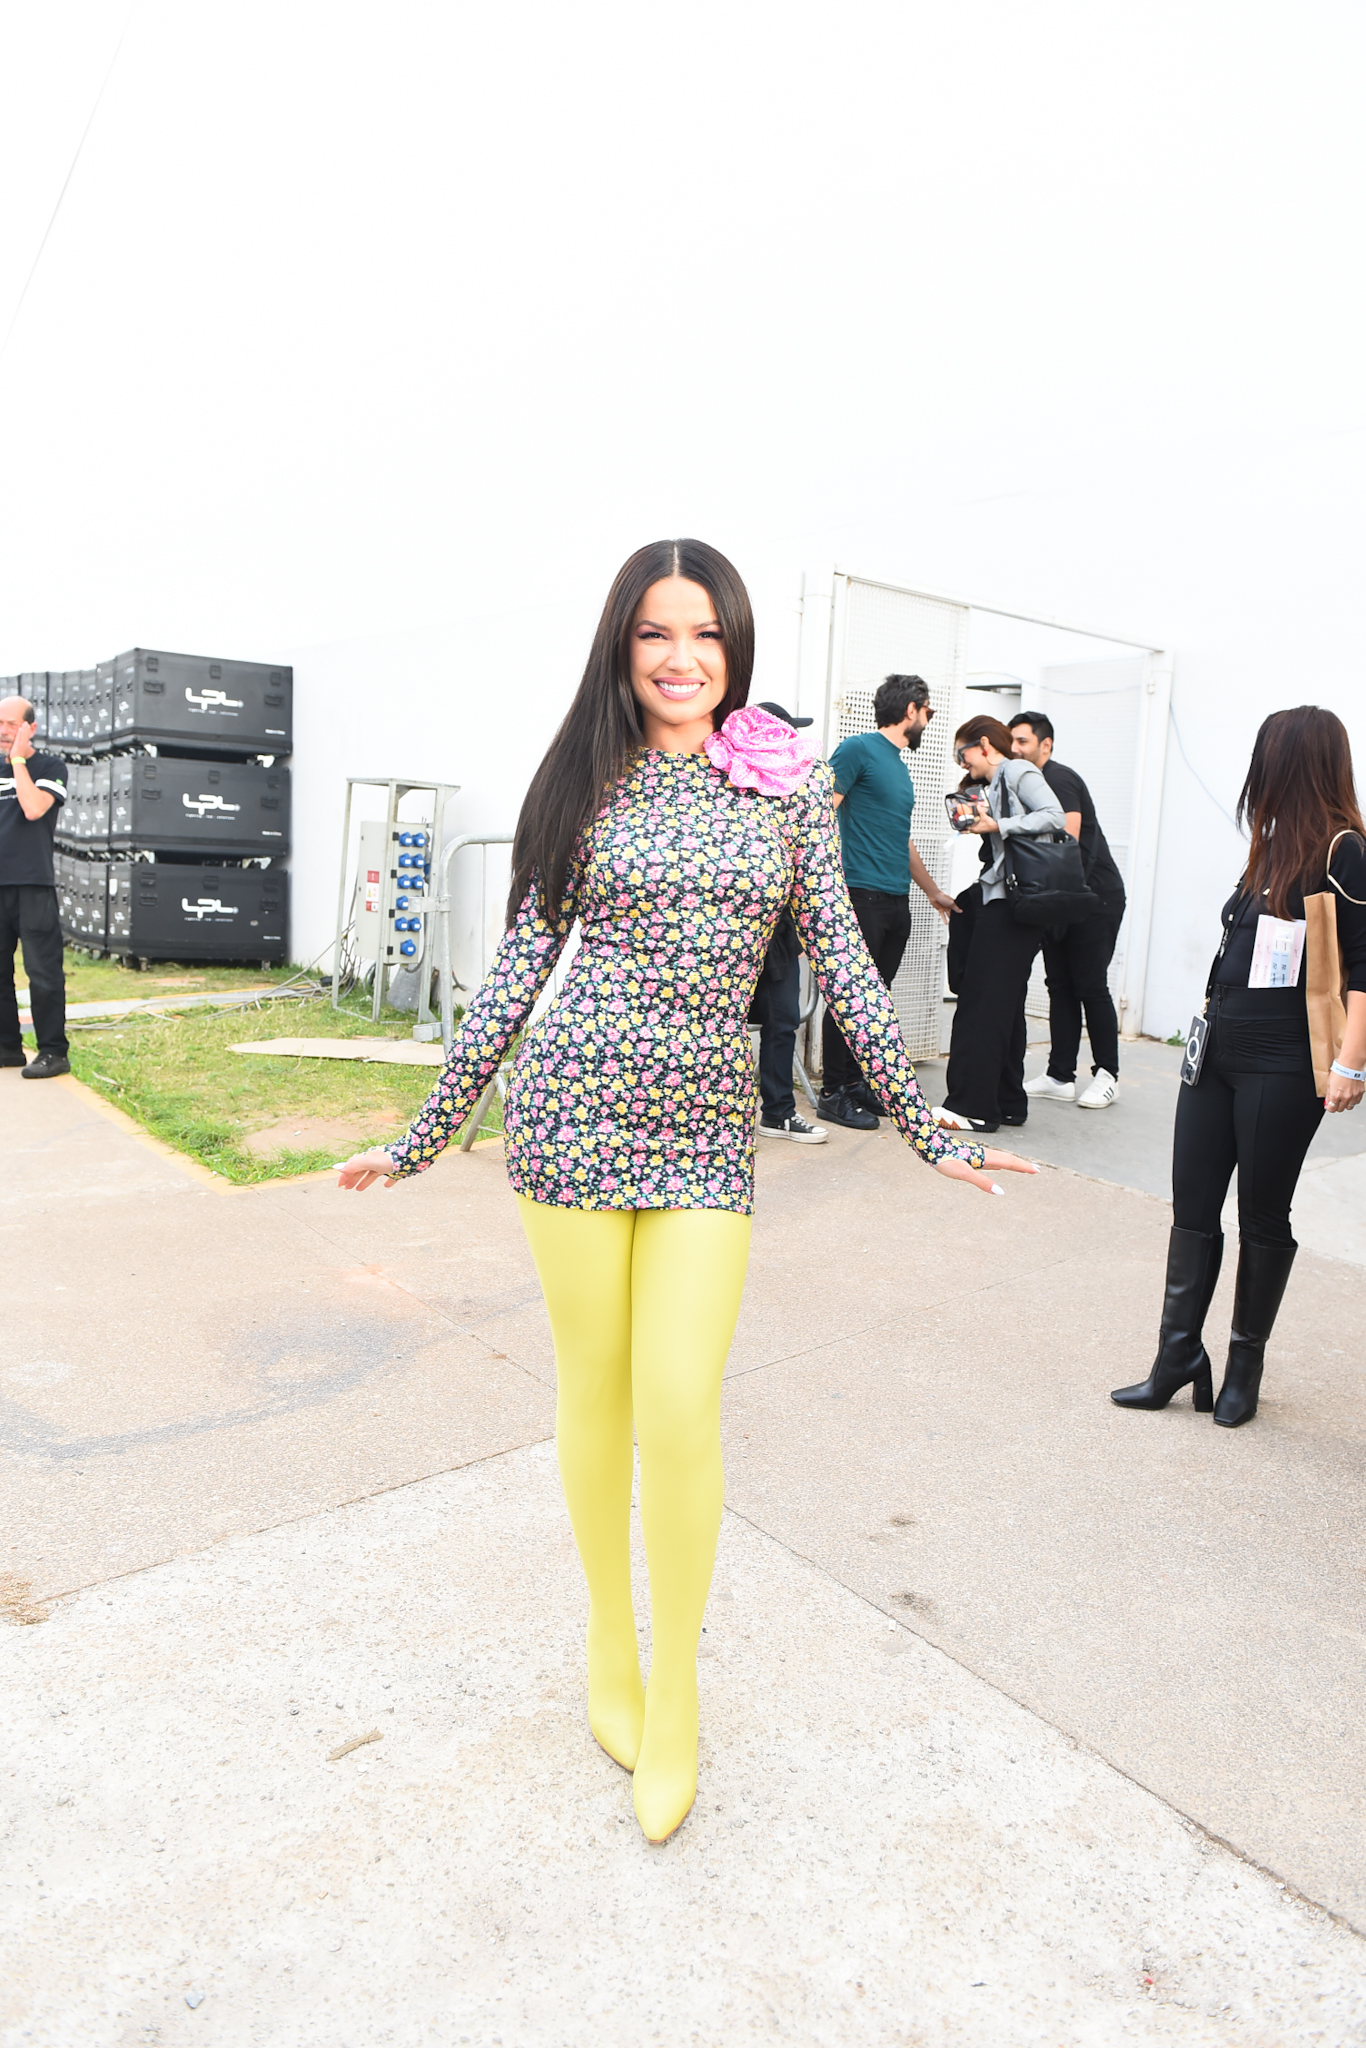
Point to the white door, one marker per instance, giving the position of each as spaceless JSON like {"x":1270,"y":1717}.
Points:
{"x":1096,"y":709}
{"x":878,"y":630}
{"x":1105,"y":728}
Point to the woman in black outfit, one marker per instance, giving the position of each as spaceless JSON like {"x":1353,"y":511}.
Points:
{"x":984,"y":1086}
{"x":1256,"y":1105}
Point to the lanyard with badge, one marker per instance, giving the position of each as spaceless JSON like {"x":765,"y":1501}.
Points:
{"x":1277,"y":950}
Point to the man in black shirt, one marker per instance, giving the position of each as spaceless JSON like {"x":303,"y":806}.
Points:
{"x":32,"y":785}
{"x":1076,"y":960}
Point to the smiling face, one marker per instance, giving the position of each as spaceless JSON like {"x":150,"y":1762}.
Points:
{"x":979,"y":758}
{"x":1027,"y":746}
{"x":678,"y":664}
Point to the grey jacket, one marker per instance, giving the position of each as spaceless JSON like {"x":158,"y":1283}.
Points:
{"x":1034,"y":809}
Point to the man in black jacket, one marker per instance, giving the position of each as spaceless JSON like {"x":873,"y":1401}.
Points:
{"x":1076,"y":960}
{"x":32,"y":786}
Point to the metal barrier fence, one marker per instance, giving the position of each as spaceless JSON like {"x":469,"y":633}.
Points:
{"x":444,"y":967}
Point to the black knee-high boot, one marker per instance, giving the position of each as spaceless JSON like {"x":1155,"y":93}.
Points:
{"x":1192,"y":1269}
{"x":1263,"y":1270}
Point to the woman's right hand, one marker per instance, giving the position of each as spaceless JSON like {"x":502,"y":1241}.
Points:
{"x":993,"y":1162}
{"x":365,"y":1168}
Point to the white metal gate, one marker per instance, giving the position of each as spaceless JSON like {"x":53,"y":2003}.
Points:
{"x":1111,"y":716}
{"x":1097,"y":709}
{"x":877,"y":630}
{"x":1103,"y":718}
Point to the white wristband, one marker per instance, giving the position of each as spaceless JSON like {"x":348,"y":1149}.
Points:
{"x":1349,"y":1073}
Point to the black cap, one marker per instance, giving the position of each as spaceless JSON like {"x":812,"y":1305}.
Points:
{"x":786,"y":716}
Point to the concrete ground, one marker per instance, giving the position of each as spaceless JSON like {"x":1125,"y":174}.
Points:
{"x":1025,"y":1720}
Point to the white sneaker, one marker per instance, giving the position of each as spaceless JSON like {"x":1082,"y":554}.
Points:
{"x":1101,"y":1093}
{"x":794,"y":1127}
{"x":1052,"y":1091}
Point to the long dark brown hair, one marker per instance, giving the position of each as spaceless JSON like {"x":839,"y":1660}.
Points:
{"x":602,"y":727}
{"x":1299,"y":794}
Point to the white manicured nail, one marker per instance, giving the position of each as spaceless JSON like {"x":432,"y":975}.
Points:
{"x":996,"y":1190}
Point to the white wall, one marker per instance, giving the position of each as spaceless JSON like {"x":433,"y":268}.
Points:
{"x":375,"y":338}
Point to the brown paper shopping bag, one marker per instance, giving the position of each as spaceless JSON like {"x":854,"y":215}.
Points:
{"x":1324,"y":985}
{"x":1325,"y":977}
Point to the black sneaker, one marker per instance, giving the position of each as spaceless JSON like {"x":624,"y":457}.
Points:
{"x":17,"y":1058}
{"x":794,"y":1127}
{"x":1013,"y":1123}
{"x":46,"y":1067}
{"x":842,"y":1108}
{"x":863,"y":1094}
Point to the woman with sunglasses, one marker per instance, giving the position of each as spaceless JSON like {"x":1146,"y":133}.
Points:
{"x":672,"y":825}
{"x":985,"y":1082}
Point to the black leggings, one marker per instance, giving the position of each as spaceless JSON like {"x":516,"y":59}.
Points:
{"x":885,"y":922}
{"x":1254,"y":1107}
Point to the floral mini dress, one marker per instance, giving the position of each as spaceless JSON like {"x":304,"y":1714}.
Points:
{"x":636,"y":1088}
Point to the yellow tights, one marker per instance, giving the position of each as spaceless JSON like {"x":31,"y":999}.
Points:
{"x":642,"y":1305}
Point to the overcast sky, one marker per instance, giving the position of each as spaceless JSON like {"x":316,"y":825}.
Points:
{"x":353,"y":315}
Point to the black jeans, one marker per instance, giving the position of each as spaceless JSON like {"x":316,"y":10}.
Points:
{"x":885,"y":922}
{"x":29,"y":915}
{"x":987,"y":1050}
{"x":777,"y":1011}
{"x":1254,"y":1108}
{"x":1076,"y":964}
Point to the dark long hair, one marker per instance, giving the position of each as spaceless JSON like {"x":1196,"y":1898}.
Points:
{"x":602,"y":727}
{"x":1299,"y":794}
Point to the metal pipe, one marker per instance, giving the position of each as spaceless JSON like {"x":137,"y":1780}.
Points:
{"x":442,"y":912}
{"x":998,"y":611}
{"x":341,"y":899}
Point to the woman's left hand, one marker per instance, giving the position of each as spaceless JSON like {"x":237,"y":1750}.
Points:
{"x":994,"y":1162}
{"x":986,"y":823}
{"x":1342,"y":1093}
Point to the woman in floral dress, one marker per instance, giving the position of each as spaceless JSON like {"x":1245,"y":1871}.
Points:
{"x":672,"y":825}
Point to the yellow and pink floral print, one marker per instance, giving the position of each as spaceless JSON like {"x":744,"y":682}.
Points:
{"x":636,"y":1089}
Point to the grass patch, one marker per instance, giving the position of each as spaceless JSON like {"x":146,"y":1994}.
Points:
{"x":106,"y":981}
{"x":177,"y":1077}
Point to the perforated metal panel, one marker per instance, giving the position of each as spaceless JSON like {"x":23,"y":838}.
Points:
{"x":878,"y":630}
{"x":1096,"y":709}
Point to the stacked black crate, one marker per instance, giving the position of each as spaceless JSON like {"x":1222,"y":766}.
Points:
{"x":183,"y":803}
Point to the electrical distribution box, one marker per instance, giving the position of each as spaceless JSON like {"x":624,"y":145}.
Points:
{"x":393,"y":876}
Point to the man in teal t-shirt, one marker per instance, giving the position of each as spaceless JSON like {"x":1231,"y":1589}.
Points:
{"x":875,"y":797}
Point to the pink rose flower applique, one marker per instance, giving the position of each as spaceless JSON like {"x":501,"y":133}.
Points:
{"x":755,"y":750}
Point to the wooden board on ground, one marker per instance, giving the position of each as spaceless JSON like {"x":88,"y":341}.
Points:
{"x":397,"y":1052}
